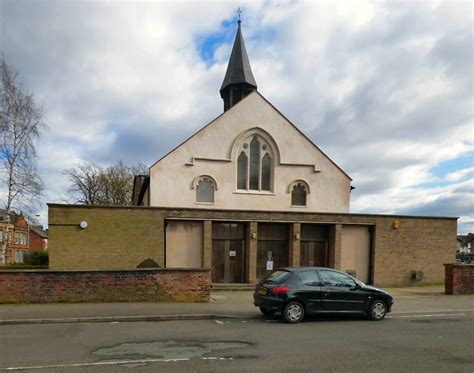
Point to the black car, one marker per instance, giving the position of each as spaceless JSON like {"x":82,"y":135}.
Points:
{"x":297,"y":291}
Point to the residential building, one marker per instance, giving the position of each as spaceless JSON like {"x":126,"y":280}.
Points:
{"x":20,"y":237}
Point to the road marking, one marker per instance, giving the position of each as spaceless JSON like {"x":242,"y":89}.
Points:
{"x":437,"y":311}
{"x":219,"y":322}
{"x":427,"y":315}
{"x":97,"y":363}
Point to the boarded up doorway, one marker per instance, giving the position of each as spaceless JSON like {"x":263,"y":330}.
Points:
{"x":228,"y":252}
{"x":314,"y":245}
{"x":184,"y":244}
{"x":272,"y":248}
{"x":355,"y":251}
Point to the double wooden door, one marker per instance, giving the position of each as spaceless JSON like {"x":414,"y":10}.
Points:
{"x":314,"y":254}
{"x":228,"y":261}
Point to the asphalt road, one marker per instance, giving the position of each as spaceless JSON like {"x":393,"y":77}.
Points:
{"x":405,"y":343}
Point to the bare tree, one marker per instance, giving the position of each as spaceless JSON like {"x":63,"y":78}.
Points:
{"x":95,"y":185}
{"x":21,"y":123}
{"x":86,"y":183}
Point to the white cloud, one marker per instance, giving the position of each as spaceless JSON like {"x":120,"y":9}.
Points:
{"x":460,"y":175}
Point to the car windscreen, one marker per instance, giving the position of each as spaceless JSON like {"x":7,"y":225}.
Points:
{"x":277,"y":277}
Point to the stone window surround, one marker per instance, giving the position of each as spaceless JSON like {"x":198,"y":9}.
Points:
{"x":195,"y":184}
{"x":293,"y":184}
{"x":265,"y":148}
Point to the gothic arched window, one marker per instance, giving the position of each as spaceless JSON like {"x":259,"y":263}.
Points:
{"x":205,"y":190}
{"x":299,"y":191}
{"x":242,"y":171}
{"x":255,"y":165}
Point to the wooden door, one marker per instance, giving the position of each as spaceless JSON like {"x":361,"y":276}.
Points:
{"x":235,"y":269}
{"x":228,"y":261}
{"x":218,"y":261}
{"x":314,"y":254}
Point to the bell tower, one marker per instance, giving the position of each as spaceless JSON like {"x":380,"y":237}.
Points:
{"x":238,"y":81}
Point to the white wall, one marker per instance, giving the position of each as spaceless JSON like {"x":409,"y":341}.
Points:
{"x":171,"y":178}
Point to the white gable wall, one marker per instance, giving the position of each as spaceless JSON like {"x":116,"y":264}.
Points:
{"x":171,"y":178}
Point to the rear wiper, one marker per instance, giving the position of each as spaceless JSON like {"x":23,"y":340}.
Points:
{"x":270,"y":281}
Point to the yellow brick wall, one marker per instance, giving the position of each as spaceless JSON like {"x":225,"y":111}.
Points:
{"x":115,"y":238}
{"x":120,"y":238}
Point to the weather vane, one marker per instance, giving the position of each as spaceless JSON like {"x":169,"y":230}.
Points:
{"x":239,"y":11}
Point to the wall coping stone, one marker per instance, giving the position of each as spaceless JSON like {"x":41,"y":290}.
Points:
{"x":248,"y":211}
{"x":105,"y":270}
{"x":459,"y":264}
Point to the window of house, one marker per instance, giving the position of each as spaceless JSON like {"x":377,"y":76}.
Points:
{"x":21,"y":238}
{"x":255,"y":165}
{"x":205,"y":190}
{"x":298,"y":194}
{"x":19,"y":256}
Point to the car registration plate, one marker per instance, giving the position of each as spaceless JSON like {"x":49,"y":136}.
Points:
{"x":262,"y":291}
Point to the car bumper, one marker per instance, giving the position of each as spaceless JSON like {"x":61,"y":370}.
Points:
{"x":268,"y":302}
{"x":390,"y":305}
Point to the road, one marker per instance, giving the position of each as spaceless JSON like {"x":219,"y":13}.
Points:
{"x":438,"y":342}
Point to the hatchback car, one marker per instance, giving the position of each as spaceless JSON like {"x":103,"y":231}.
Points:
{"x":299,"y":291}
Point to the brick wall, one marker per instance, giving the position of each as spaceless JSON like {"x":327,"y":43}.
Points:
{"x":118,"y":238}
{"x":459,"y":279}
{"x":121,"y":237}
{"x":140,"y":285}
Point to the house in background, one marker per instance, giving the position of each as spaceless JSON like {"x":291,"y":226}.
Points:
{"x":464,"y":252}
{"x":21,"y":237}
{"x":38,"y":238}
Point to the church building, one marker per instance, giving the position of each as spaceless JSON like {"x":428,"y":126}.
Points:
{"x":246,"y":194}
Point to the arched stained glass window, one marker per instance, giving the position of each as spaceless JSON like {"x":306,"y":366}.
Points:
{"x":242,"y":171}
{"x":205,"y":191}
{"x":266,"y":172}
{"x":298,"y":195}
{"x":254,"y":164}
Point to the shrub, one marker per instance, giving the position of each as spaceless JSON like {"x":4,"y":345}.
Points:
{"x":36,"y":258}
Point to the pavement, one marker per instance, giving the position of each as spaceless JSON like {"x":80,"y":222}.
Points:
{"x":223,"y":304}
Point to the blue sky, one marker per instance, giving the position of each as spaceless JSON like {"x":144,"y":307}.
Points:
{"x":384,"y":88}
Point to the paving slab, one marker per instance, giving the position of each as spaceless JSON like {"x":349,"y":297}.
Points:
{"x":223,"y":304}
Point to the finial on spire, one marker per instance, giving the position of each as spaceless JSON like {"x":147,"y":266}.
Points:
{"x":239,"y":11}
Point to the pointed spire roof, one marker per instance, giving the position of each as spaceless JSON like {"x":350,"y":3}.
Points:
{"x":238,"y":70}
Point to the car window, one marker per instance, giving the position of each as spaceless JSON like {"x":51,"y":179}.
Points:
{"x":331,"y":278}
{"x":309,"y":278}
{"x":277,"y":277}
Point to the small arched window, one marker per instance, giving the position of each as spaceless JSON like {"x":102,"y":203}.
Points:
{"x":205,"y":190}
{"x":255,"y":165}
{"x":299,"y":191}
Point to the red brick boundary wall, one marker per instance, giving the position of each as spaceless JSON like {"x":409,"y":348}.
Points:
{"x":459,"y":279}
{"x":138,"y":285}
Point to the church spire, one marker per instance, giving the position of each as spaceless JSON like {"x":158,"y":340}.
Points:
{"x":238,"y":81}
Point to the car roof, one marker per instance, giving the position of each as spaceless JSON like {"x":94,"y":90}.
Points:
{"x":298,"y":269}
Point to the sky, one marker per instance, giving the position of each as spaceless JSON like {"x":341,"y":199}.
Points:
{"x":385,"y":89}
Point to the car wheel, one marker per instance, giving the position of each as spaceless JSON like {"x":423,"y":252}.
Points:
{"x":266,"y":311}
{"x":293,"y":312}
{"x":377,"y":310}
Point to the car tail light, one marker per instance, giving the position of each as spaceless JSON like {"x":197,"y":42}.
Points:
{"x":278,"y":290}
